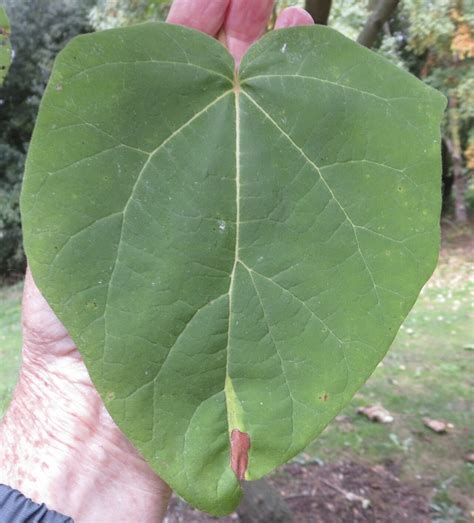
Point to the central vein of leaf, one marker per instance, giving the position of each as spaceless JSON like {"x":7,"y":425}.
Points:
{"x":232,"y":402}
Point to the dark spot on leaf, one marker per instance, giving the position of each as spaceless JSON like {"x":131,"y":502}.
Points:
{"x":59,"y":87}
{"x":110,"y":396}
{"x":324,"y":397}
{"x":239,"y":453}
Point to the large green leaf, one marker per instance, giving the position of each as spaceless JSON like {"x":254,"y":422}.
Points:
{"x":233,"y":257}
{"x":5,"y":48}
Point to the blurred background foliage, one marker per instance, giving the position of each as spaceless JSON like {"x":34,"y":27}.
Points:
{"x":107,"y":14}
{"x":39,"y":30}
{"x":432,"y":39}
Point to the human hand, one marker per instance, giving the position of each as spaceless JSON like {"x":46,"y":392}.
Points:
{"x":58,"y":444}
{"x":237,"y":23}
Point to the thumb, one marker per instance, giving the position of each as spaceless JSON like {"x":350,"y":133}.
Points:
{"x":42,"y":331}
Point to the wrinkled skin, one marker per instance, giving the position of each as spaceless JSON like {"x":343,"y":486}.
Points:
{"x":58,"y":444}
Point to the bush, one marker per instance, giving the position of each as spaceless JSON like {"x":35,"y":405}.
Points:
{"x":40,"y":29}
{"x":11,"y":252}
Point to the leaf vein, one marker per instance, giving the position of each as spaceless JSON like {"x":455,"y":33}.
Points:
{"x":137,"y":182}
{"x":277,"y":351}
{"x":316,"y":168}
{"x":158,"y":62}
{"x":323,"y":80}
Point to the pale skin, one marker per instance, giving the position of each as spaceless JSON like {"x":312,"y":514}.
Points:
{"x":58,"y":444}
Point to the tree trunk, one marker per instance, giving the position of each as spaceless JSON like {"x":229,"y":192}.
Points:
{"x":262,"y":503}
{"x":460,"y":213}
{"x":319,"y":10}
{"x":454,"y":146}
{"x":381,"y":13}
{"x":447,"y":176}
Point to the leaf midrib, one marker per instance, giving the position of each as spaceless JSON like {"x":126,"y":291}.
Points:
{"x":231,"y":408}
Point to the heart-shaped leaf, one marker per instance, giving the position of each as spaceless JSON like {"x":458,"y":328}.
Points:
{"x":5,"y":48}
{"x":232,"y":255}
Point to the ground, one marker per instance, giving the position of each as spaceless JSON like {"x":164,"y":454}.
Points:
{"x":361,"y":471}
{"x":341,"y":492}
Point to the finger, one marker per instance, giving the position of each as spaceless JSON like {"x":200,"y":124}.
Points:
{"x":292,"y":17}
{"x":203,"y":15}
{"x":245,"y":23}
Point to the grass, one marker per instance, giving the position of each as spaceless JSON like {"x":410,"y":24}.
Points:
{"x":10,"y":341}
{"x":429,"y":372}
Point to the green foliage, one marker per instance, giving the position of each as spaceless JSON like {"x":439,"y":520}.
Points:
{"x":349,"y":16}
{"x":5,"y":48}
{"x":108,"y":14}
{"x":441,"y":32}
{"x":470,"y":195}
{"x":40,"y":28}
{"x":230,"y":254}
{"x":11,"y":249}
{"x":282,"y":4}
{"x":430,"y":24}
{"x":10,"y":342}
{"x":9,"y":200}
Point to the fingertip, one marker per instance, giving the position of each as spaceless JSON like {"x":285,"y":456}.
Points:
{"x":292,"y":17}
{"x":245,"y":23}
{"x":202,"y":15}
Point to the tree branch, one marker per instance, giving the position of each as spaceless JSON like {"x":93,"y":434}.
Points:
{"x":319,"y":10}
{"x":460,"y":211}
{"x":382,"y":12}
{"x":449,"y":145}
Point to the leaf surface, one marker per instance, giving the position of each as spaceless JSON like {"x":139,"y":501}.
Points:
{"x":5,"y":47}
{"x":232,"y":256}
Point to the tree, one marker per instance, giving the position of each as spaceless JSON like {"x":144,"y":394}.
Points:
{"x":443,"y":38}
{"x":319,"y":10}
{"x":5,"y":47}
{"x":381,"y":12}
{"x":107,"y":14}
{"x":453,"y":142}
